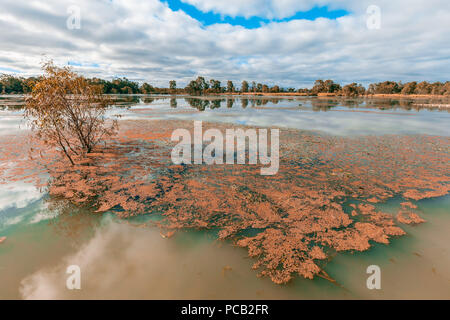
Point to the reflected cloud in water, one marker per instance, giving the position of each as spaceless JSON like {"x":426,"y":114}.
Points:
{"x":335,"y":116}
{"x":330,"y":116}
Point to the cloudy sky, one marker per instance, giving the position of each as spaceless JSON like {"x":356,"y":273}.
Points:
{"x":289,"y":42}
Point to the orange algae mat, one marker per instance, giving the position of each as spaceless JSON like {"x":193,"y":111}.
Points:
{"x":322,"y":201}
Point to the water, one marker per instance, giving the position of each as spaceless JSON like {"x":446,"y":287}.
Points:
{"x":333,"y":116}
{"x":122,"y":259}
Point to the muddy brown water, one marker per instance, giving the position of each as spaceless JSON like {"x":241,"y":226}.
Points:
{"x":121,"y":259}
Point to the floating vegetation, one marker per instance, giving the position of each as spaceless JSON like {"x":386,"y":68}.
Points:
{"x":322,"y":201}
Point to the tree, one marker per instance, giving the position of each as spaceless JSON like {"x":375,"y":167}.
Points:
{"x":11,"y":84}
{"x":127,"y":90}
{"x":203,"y":85}
{"x":331,"y":86}
{"x":318,"y":87}
{"x":327,"y":86}
{"x":437,"y":88}
{"x":67,"y":112}
{"x":173,"y":86}
{"x":146,"y":88}
{"x":423,"y":88}
{"x":386,"y":87}
{"x":192,"y":88}
{"x":353,"y":90}
{"x":409,"y":88}
{"x":275,"y":89}
{"x":215,"y":86}
{"x":446,"y":88}
{"x":197,"y":87}
{"x":371,"y":88}
{"x":259,"y":87}
{"x":244,"y":86}
{"x":230,"y":86}
{"x":304,"y":90}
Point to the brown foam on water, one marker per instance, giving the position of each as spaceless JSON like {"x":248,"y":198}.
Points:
{"x":322,"y":200}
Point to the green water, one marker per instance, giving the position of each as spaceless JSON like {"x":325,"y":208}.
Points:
{"x":119,"y":259}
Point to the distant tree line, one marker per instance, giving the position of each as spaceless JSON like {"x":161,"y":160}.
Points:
{"x":10,"y":84}
{"x":386,"y":87}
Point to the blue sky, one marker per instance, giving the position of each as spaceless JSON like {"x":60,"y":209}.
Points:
{"x":9,"y":70}
{"x":209,"y":18}
{"x":81,"y":64}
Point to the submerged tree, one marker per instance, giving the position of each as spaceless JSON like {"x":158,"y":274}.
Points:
{"x":68,"y":112}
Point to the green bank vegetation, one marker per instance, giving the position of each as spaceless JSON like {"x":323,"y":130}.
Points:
{"x":10,"y":84}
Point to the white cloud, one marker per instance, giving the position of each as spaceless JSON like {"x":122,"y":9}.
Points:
{"x":148,"y":41}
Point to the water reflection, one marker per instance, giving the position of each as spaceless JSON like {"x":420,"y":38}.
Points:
{"x":332,"y":115}
{"x":199,"y":104}
{"x":329,"y":115}
{"x":8,"y":102}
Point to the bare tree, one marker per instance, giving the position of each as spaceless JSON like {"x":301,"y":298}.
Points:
{"x":68,"y":112}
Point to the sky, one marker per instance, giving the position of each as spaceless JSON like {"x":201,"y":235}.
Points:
{"x":285,"y":42}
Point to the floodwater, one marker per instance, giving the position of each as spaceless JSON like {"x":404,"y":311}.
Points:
{"x":327,"y":115}
{"x":119,"y":258}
